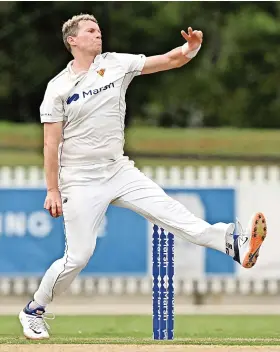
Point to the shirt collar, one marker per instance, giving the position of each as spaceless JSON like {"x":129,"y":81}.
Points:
{"x":93,"y":66}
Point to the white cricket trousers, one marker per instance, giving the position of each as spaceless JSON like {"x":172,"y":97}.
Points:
{"x":86,"y":193}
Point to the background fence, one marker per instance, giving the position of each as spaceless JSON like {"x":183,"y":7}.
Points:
{"x":30,"y":239}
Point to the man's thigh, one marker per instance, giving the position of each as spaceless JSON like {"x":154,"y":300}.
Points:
{"x":139,"y":193}
{"x":84,"y":205}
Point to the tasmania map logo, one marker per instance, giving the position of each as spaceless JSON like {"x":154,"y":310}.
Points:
{"x":101,"y":72}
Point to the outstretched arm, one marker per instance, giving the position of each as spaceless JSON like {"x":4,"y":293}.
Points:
{"x":176,"y":57}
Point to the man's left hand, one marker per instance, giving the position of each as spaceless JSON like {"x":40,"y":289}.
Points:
{"x":194,"y":38}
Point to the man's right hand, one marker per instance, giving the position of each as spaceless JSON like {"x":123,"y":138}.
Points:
{"x":53,"y":203}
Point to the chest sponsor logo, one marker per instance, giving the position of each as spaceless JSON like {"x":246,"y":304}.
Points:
{"x":90,"y":92}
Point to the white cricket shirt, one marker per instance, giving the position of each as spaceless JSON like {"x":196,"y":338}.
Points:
{"x":92,"y":107}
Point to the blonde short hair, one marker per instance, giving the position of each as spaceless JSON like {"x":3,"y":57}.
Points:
{"x":70,"y":27}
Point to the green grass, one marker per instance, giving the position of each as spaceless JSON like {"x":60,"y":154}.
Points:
{"x":223,"y":330}
{"x":21,"y":135}
{"x":20,"y":158}
{"x":226,"y":141}
{"x":223,"y":141}
{"x":141,"y":162}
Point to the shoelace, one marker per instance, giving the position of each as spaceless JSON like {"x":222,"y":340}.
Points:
{"x":241,"y":232}
{"x":38,"y":322}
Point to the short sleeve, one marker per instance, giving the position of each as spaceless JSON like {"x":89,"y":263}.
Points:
{"x":51,"y":109}
{"x":132,"y":63}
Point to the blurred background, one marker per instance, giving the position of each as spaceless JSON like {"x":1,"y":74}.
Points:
{"x":208,"y":133}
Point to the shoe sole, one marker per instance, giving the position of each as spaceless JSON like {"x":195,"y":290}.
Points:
{"x":258,"y":235}
{"x":35,"y":339}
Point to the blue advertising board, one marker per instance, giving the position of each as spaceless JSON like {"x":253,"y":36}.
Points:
{"x":30,"y":240}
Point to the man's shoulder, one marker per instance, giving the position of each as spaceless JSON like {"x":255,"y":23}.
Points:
{"x":117,"y":60}
{"x":113,"y":56}
{"x":58,"y":79}
{"x":122,"y":59}
{"x":110,"y":56}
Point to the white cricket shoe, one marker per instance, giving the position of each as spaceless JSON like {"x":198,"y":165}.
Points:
{"x":33,"y":322}
{"x":248,"y":242}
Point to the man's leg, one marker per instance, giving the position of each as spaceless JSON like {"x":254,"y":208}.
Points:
{"x":82,"y":218}
{"x":83,"y":210}
{"x":137,"y":192}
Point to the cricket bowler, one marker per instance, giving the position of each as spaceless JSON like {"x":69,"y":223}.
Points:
{"x":83,"y":112}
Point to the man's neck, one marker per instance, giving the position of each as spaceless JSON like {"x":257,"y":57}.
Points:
{"x":82,"y":62}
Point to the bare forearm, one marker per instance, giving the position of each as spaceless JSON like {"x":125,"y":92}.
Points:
{"x":52,"y":137}
{"x":51,"y":165}
{"x":177,"y":58}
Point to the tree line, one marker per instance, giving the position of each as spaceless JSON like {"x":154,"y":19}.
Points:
{"x":234,"y":80}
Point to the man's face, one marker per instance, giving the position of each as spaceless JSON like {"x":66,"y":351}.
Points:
{"x":88,"y":38}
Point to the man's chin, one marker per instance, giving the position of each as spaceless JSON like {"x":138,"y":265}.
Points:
{"x":96,"y":52}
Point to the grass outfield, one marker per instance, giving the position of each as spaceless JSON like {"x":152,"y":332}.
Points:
{"x":141,"y":162}
{"x":191,"y":330}
{"x":12,"y":158}
{"x":227,"y":141}
{"x":224,"y":141}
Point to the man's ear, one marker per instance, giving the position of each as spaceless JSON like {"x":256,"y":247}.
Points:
{"x":71,"y":40}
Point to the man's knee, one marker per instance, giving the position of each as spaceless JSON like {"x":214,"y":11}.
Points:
{"x":80,"y":259}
